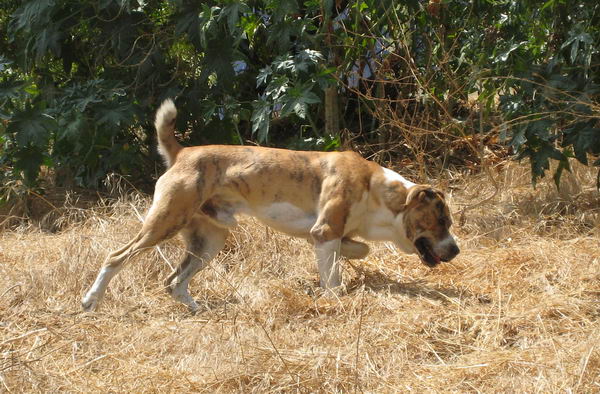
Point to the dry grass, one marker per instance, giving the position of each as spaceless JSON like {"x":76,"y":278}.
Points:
{"x":517,"y":311}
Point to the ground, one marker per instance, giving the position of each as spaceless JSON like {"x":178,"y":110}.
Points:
{"x":517,"y":311}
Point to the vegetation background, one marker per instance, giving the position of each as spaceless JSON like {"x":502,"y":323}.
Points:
{"x":426,"y":82}
{"x":447,"y":91}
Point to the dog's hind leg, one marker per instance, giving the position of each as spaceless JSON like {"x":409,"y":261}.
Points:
{"x":352,"y":249}
{"x":165,"y":218}
{"x":145,"y":239}
{"x":204,"y":240}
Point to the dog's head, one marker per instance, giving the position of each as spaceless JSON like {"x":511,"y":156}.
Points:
{"x":427,"y":224}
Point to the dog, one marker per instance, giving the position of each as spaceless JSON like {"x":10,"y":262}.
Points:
{"x":328,"y":198}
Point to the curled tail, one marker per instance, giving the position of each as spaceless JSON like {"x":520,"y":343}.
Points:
{"x":168,"y":146}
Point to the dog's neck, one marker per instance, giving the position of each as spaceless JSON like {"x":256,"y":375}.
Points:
{"x":392,"y":176}
{"x":382,"y":219}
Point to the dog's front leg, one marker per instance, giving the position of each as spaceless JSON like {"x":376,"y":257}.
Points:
{"x":327,"y":236}
{"x":328,"y":255}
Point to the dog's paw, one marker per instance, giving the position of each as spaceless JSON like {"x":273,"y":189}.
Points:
{"x":194,"y":309}
{"x":180,"y":293}
{"x":89,"y":304}
{"x":331,"y":292}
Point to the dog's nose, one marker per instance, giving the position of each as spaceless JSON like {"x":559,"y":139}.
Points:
{"x":454,"y":250}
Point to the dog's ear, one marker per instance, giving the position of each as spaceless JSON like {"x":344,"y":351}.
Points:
{"x":421,"y":193}
{"x":396,"y":201}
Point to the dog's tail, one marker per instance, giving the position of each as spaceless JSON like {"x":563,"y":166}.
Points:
{"x":168,"y":146}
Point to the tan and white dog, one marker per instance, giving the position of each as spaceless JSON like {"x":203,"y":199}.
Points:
{"x":326,"y":198}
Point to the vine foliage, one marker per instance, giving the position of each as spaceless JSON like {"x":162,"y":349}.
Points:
{"x":79,"y":80}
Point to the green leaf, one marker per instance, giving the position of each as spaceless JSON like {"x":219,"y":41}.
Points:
{"x":297,"y":99}
{"x":4,"y":63}
{"x":48,"y":39}
{"x":281,"y":34}
{"x":232,"y":13}
{"x":300,"y":109}
{"x":208,"y":27}
{"x":307,"y":58}
{"x":277,"y":87}
{"x":574,"y":50}
{"x":327,"y":71}
{"x":114,"y":116}
{"x":585,"y":139}
{"x":541,"y":128}
{"x":360,"y":6}
{"x":283,"y":8}
{"x":30,"y":127}
{"x":12,"y":88}
{"x":30,"y":16}
{"x":504,"y":55}
{"x":549,"y":3}
{"x":81,"y":104}
{"x":332,"y":143}
{"x":70,"y":127}
{"x":261,"y":117}
{"x":518,"y":138}
{"x":574,"y":42}
{"x":540,"y":159}
{"x":218,"y":59}
{"x":250,"y":24}
{"x":309,"y":97}
{"x":563,"y":164}
{"x":263,"y":75}
{"x":208,"y":108}
{"x":29,"y":160}
{"x":284,"y":63}
{"x":103,"y":4}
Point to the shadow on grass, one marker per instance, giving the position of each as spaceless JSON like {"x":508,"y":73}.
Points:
{"x":379,"y":282}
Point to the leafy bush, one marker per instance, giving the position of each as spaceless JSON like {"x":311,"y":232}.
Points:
{"x":80,"y":80}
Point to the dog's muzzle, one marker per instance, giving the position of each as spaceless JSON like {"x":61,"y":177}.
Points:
{"x":430,"y":256}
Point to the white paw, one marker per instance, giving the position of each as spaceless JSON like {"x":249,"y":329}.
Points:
{"x":89,"y":303}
